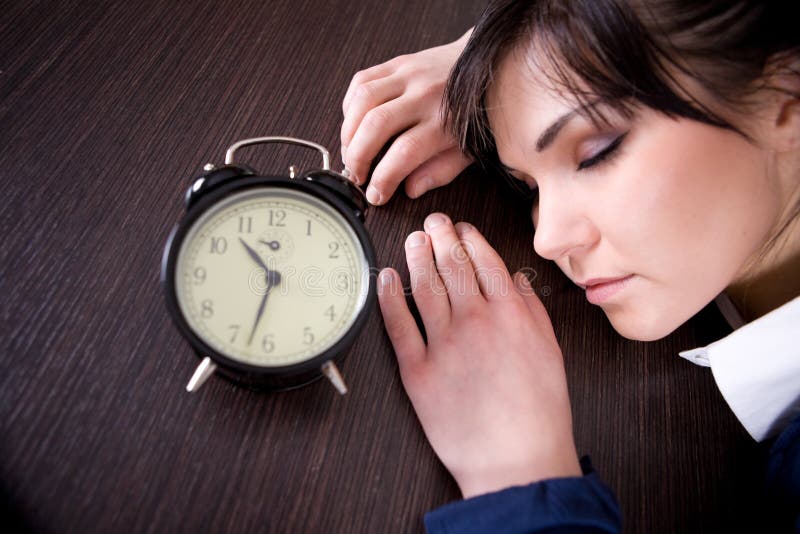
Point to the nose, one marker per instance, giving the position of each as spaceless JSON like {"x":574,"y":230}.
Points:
{"x":562,"y":227}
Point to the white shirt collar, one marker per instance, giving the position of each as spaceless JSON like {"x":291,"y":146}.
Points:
{"x":757,"y":367}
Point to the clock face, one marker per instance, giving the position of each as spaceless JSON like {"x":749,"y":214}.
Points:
{"x":271,"y":276}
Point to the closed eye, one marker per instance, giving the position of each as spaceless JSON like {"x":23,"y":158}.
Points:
{"x":604,"y":155}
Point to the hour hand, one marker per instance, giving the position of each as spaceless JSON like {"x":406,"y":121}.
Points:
{"x":253,"y":254}
{"x":273,"y":277}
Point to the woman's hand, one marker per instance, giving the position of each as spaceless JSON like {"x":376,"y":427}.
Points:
{"x":489,"y":388}
{"x":402,"y":98}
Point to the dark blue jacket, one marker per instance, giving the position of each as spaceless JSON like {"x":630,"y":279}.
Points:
{"x":585,"y":504}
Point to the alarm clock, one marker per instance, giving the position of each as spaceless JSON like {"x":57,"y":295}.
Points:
{"x":270,"y":278}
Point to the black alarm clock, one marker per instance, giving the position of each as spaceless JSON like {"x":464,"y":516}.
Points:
{"x":270,"y":278}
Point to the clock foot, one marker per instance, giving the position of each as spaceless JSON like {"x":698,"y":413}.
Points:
{"x":201,"y":374}
{"x":330,"y":370}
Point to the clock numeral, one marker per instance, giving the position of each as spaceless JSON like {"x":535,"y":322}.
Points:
{"x":308,"y":227}
{"x":245,"y":225}
{"x":333,"y":246}
{"x":342,"y":282}
{"x":308,"y":337}
{"x":207,"y":308}
{"x":218,"y":245}
{"x":276,"y":218}
{"x":268,"y":344}
{"x":235,"y":328}
{"x":329,"y":313}
{"x":199,"y":275}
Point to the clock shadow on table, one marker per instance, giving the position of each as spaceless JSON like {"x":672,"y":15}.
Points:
{"x":412,"y":306}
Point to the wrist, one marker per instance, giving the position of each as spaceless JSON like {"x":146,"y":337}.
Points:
{"x":482,"y":480}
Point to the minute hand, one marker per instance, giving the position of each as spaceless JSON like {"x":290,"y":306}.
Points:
{"x":272,"y":278}
{"x":260,"y":312}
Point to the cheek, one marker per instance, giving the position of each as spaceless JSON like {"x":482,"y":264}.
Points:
{"x":686,"y":215}
{"x":701,"y":206}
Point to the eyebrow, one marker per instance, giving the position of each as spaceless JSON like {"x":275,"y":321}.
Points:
{"x":549,"y":135}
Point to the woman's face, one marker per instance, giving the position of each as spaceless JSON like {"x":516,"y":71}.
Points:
{"x":677,"y":206}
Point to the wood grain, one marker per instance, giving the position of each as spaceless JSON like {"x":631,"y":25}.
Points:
{"x":107,"y":109}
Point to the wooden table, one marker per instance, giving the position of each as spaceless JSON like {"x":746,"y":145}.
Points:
{"x":107,"y":109}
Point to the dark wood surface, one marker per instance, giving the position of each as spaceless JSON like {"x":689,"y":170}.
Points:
{"x":107,"y":109}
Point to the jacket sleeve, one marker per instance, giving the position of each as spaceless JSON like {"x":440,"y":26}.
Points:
{"x":571,"y":504}
{"x":783,"y":474}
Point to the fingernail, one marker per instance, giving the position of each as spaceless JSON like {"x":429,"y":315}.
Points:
{"x":373,"y":196}
{"x":386,"y":277}
{"x":434,"y":220}
{"x":464,"y":227}
{"x":417,"y":239}
{"x":423,"y":184}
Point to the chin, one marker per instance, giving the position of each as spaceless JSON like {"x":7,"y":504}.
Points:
{"x":642,"y":326}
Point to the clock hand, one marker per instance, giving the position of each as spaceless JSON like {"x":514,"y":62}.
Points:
{"x":274,"y":245}
{"x":259,"y":314}
{"x":254,"y":255}
{"x":273,"y":278}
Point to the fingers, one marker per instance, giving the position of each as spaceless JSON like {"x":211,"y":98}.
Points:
{"x":440,"y":170}
{"x":397,"y":105}
{"x":523,"y":287}
{"x":375,"y":129}
{"x":538,"y":312}
{"x":453,"y":264}
{"x":365,"y":76}
{"x":410,"y":150}
{"x":426,"y":284}
{"x":490,"y":270}
{"x":403,"y":332}
{"x":367,"y":96}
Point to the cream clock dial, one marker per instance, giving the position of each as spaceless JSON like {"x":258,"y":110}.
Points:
{"x":271,"y":277}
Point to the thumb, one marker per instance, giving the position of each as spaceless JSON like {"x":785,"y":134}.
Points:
{"x":440,"y":170}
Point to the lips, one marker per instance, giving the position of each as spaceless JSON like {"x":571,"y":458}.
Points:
{"x":601,"y":289}
{"x":596,"y":281}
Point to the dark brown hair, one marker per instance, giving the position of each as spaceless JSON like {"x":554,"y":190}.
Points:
{"x":623,"y":53}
